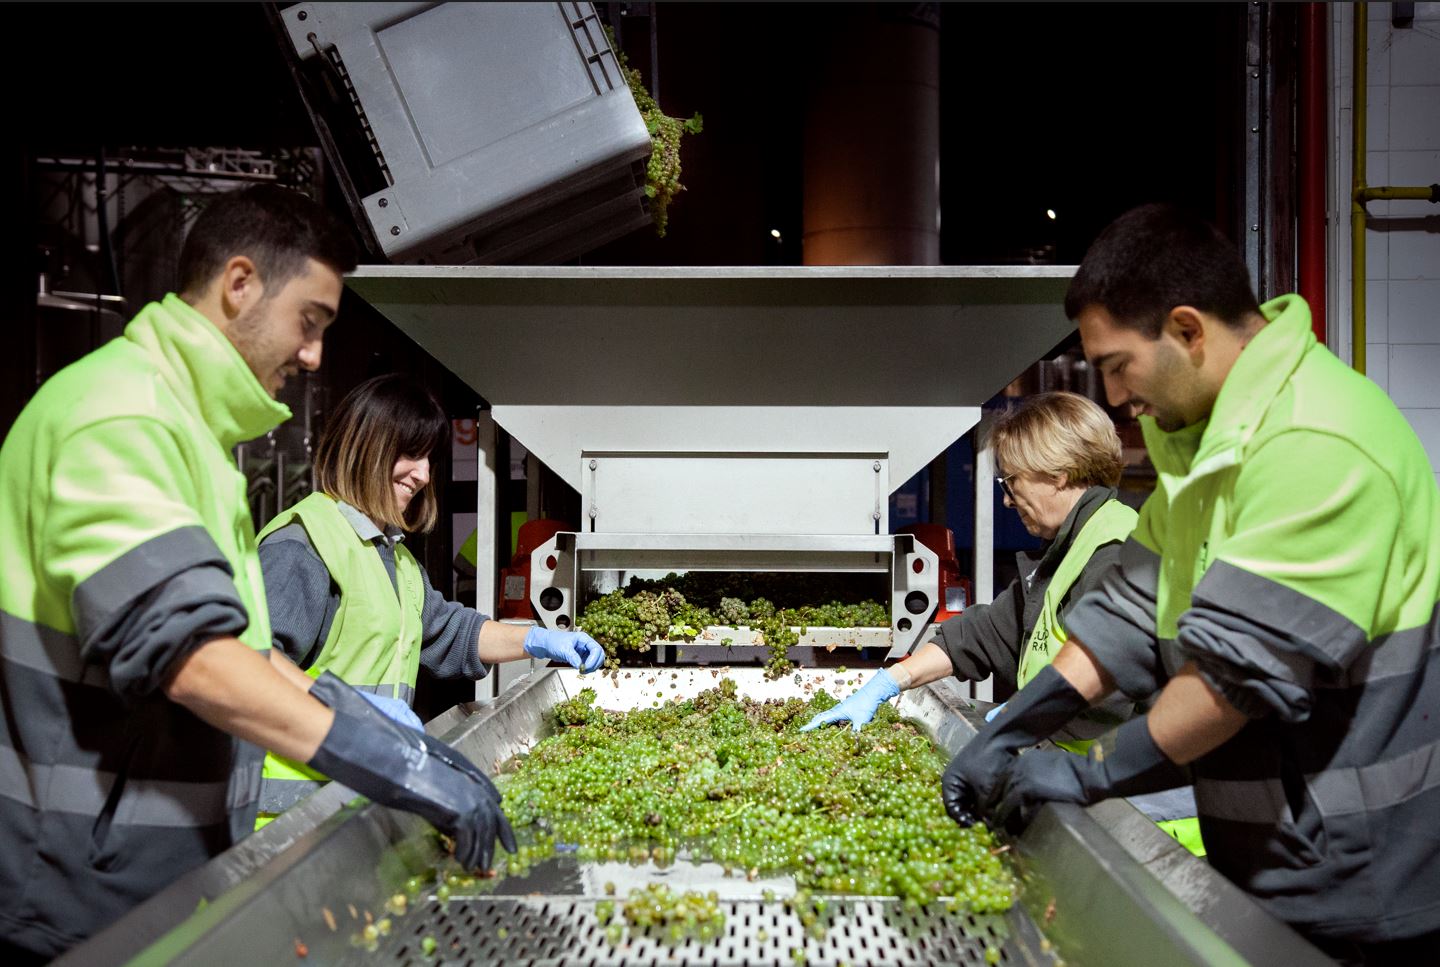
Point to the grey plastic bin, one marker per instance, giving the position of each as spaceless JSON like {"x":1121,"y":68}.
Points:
{"x":474,"y":132}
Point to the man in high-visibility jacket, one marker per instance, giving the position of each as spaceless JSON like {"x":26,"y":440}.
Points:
{"x":1280,"y":590}
{"x":135,"y":691}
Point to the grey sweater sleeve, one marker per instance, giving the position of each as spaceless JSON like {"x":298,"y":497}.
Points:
{"x":155,"y":604}
{"x":298,"y":588}
{"x":1119,"y":707}
{"x":985,"y":639}
{"x":1262,"y":645}
{"x":450,"y":633}
{"x":170,"y":621}
{"x":1116,"y":622}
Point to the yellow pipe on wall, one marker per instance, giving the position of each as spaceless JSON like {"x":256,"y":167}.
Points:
{"x":1360,"y":193}
{"x":1393,"y":193}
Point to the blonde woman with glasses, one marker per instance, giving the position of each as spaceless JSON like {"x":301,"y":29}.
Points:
{"x":1058,"y":459}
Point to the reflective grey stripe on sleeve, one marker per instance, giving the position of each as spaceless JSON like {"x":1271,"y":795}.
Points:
{"x":399,"y":690}
{"x":1141,"y":566}
{"x":1326,"y":634}
{"x":144,"y":802}
{"x":1335,"y":792}
{"x":111,"y":589}
{"x":1389,"y":656}
{"x":47,"y":651}
{"x":278,"y":795}
{"x":1116,"y":622}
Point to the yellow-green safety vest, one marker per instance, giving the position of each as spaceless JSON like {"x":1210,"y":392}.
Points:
{"x":1112,"y":522}
{"x":374,"y":642}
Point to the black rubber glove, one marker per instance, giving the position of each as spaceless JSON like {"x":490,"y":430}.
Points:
{"x":1037,"y":711}
{"x":399,"y":767}
{"x":1134,"y":766}
{"x":332,"y":691}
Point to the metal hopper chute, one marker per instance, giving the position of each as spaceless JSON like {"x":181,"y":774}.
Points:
{"x":731,"y":418}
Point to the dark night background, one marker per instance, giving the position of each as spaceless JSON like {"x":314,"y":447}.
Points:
{"x":1087,"y":109}
{"x":1084,"y":108}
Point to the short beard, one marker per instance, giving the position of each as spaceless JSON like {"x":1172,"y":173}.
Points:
{"x":1171,"y":371}
{"x":245,"y":336}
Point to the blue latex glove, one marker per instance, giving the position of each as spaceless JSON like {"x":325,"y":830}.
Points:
{"x":394,"y":709}
{"x":860,"y":707}
{"x":331,"y":691}
{"x":1053,"y":775}
{"x":574,"y":648}
{"x":398,"y":767}
{"x":990,"y":715}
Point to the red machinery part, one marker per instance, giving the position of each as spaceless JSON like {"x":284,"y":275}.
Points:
{"x":515,"y":579}
{"x":954,"y":590}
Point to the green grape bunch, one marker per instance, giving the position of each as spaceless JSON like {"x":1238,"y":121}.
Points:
{"x":662,"y":172}
{"x":658,"y":911}
{"x":681,"y":607}
{"x":733,"y":612}
{"x":731,"y":780}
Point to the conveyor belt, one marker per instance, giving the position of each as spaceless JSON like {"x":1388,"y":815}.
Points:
{"x":548,"y":916}
{"x":308,"y":883}
{"x":551,"y":931}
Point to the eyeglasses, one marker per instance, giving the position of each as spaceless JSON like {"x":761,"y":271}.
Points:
{"x":1004,"y":483}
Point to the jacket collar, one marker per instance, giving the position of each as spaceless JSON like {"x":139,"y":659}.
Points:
{"x":1262,"y":369}
{"x":1051,"y":554}
{"x":365,"y":528}
{"x":201,"y":364}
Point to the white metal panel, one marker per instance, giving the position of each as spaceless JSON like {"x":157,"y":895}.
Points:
{"x":733,"y":493}
{"x":849,"y":336}
{"x":910,"y":435}
{"x":707,"y":552}
{"x":984,"y":548}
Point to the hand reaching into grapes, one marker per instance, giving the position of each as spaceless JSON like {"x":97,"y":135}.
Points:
{"x":575,"y":648}
{"x":1032,"y":715}
{"x":860,"y":707}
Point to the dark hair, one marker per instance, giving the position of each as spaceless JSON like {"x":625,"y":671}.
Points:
{"x":276,"y":228}
{"x":377,"y":423}
{"x":1154,"y":258}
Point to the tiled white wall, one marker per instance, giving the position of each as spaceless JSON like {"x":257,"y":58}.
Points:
{"x":1403,"y":241}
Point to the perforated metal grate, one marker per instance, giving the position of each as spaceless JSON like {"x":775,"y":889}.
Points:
{"x":540,"y":931}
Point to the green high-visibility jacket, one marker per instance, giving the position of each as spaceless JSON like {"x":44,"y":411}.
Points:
{"x":125,"y":541}
{"x":1111,"y":522}
{"x":1291,"y":549}
{"x":374,"y":642}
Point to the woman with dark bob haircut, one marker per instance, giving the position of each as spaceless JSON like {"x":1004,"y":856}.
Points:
{"x":345,"y":594}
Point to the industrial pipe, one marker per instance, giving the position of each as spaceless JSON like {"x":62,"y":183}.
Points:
{"x":872,"y":140}
{"x":1430,"y":193}
{"x":1361,"y":194}
{"x":1311,"y":169}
